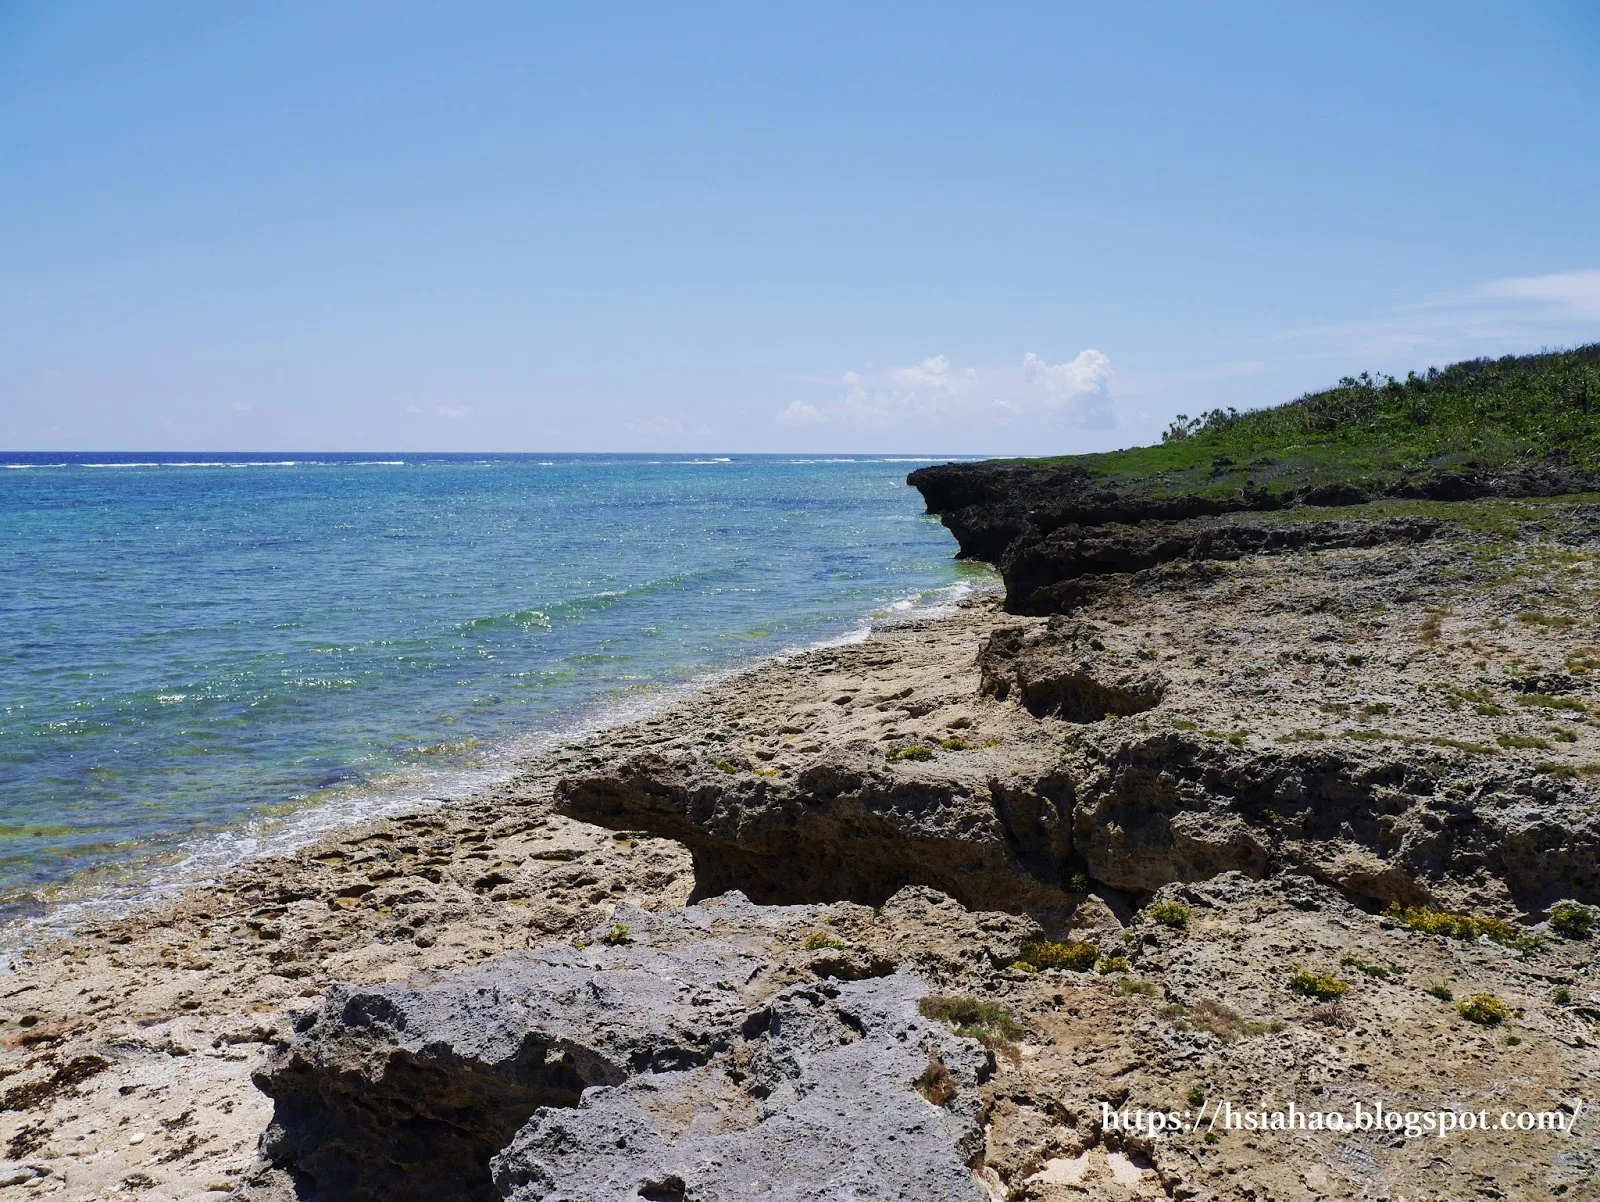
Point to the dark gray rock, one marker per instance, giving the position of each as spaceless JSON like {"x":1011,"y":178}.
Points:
{"x":820,"y":1105}
{"x":673,"y":1065}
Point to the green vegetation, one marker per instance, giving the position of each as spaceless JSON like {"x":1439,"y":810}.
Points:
{"x":988,"y":1022}
{"x":1442,"y":991}
{"x":823,"y":941}
{"x":1572,"y":921}
{"x":1128,"y":986}
{"x":957,"y":745}
{"x":1078,"y":957}
{"x":1526,"y":741}
{"x":1484,"y":1009}
{"x":619,"y":934}
{"x":1372,"y":431}
{"x":728,"y":766}
{"x":915,"y":752}
{"x":1221,"y":1020}
{"x":1378,"y":972}
{"x":1170,"y":914}
{"x":1319,"y":985}
{"x":1467,"y":927}
{"x":1545,"y":701}
{"x":1111,"y":964}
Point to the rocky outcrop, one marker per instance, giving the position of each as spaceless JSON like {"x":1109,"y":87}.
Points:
{"x":850,"y":825}
{"x":672,"y":1058}
{"x":1043,"y":572}
{"x":1414,"y":829}
{"x":1065,"y":671}
{"x":1049,"y":527}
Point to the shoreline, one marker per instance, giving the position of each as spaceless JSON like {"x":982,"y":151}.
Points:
{"x":130,"y":1049}
{"x":152,"y":1023}
{"x":199,"y":862}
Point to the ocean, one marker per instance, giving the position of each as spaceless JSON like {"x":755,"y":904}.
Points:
{"x":206,"y":657}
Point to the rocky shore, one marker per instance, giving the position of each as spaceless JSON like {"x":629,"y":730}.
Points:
{"x":1248,"y":807}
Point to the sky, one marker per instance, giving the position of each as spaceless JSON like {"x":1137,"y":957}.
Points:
{"x":932,"y":228}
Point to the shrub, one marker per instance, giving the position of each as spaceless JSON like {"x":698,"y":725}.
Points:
{"x":936,"y":1084}
{"x":1128,"y":985}
{"x":1170,"y":914}
{"x":1320,"y":985}
{"x":728,"y":766}
{"x":1332,"y":1014}
{"x":1562,"y":996}
{"x":1078,"y":882}
{"x":915,"y":752}
{"x":1111,"y":964}
{"x":1484,"y":1009}
{"x":1572,"y":921}
{"x":988,"y":1022}
{"x":1441,"y":991}
{"x":823,"y":941}
{"x":1467,"y":927}
{"x":1079,"y":956}
{"x":619,"y":934}
{"x":1381,"y":972}
{"x":957,"y":744}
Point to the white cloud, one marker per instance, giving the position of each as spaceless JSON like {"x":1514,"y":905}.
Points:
{"x":931,"y":374}
{"x":456,"y":412}
{"x":935,"y":394}
{"x":1574,"y":294}
{"x":802,"y":413}
{"x":1087,"y":374}
{"x":413,"y":408}
{"x":1517,"y":313}
{"x":666,"y":427}
{"x":240,"y":407}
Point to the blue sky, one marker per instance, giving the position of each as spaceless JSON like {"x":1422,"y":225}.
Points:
{"x":921,"y":228}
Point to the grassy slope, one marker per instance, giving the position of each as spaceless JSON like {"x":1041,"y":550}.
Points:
{"x":1483,"y":415}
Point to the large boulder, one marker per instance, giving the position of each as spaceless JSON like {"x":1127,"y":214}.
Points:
{"x":681,"y":1055}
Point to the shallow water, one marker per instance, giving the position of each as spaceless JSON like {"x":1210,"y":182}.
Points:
{"x":198,"y":650}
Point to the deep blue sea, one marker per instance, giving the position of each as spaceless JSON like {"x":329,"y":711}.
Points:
{"x":204,"y":657}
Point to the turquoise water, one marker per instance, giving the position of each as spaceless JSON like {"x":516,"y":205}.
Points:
{"x":197,"y":651}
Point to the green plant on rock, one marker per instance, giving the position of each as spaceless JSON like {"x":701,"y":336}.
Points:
{"x":1320,"y":985}
{"x":1484,"y":1009}
{"x":619,"y":934}
{"x":1442,"y":991}
{"x":1111,"y":964}
{"x":1379,"y":972}
{"x":936,"y":1084}
{"x":916,"y":752}
{"x":1572,"y":921}
{"x":728,"y":766}
{"x":990,"y":1023}
{"x":1170,"y":914}
{"x":1078,"y":957}
{"x":823,"y":941}
{"x":1129,"y":986}
{"x":957,"y":744}
{"x":1467,"y":927}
